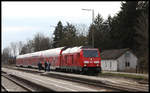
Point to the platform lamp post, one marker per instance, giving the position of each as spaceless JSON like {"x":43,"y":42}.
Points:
{"x":92,"y":23}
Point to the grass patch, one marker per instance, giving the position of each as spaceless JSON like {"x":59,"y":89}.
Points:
{"x":124,"y":75}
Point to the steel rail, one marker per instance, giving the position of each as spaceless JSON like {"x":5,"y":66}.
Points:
{"x":5,"y":90}
{"x":18,"y":83}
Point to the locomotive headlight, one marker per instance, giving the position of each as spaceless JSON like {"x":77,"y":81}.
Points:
{"x":96,"y":61}
{"x":86,"y":61}
{"x":84,"y":64}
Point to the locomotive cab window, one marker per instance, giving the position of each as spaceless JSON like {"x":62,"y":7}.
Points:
{"x":90,"y":53}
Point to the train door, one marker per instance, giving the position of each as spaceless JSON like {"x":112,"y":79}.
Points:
{"x":71,"y":59}
{"x":61,"y":60}
{"x":78,"y":59}
{"x":65,"y":60}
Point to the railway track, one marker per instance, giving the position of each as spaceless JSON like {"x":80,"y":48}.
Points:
{"x":26,"y":85}
{"x":18,"y":86}
{"x":107,"y":85}
{"x":3,"y":89}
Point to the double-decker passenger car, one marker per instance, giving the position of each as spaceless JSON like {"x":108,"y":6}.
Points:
{"x":81,"y":59}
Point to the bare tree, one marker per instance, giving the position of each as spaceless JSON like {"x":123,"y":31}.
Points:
{"x":6,"y":55}
{"x":82,"y":29}
{"x":36,"y":41}
{"x":23,"y":50}
{"x":41,"y":42}
{"x":13,"y":46}
{"x":29,"y":46}
{"x":20,"y":46}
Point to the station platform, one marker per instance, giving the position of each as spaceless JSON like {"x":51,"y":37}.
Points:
{"x":91,"y":78}
{"x":52,"y":83}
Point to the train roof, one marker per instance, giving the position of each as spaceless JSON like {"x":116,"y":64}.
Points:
{"x":45,"y":53}
{"x":72,"y":50}
{"x":54,"y":52}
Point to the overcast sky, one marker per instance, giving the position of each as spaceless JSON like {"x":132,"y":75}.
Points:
{"x":22,"y":20}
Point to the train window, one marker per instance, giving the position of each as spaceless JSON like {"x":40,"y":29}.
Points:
{"x":52,"y":60}
{"x":78,"y":55}
{"x":72,"y":59}
{"x":90,"y":53}
{"x":68,"y":59}
{"x":55,"y":59}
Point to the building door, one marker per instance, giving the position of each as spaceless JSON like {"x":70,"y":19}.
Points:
{"x":110,"y":65}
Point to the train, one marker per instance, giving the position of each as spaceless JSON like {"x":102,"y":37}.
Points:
{"x":73,"y":59}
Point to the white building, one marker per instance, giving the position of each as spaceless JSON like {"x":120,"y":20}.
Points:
{"x":118,"y":60}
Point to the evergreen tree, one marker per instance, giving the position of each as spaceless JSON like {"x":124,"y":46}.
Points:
{"x":58,"y":35}
{"x":141,"y":28}
{"x":90,"y":34}
{"x":81,"y":40}
{"x":96,"y":31}
{"x":69,"y":35}
{"x":123,"y":31}
{"x":143,"y":6}
{"x":100,"y":29}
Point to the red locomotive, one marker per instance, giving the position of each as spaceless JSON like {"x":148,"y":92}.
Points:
{"x":80,"y":59}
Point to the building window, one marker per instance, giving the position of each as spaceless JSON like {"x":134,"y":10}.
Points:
{"x":110,"y":64}
{"x":127,"y":64}
{"x":127,"y":54}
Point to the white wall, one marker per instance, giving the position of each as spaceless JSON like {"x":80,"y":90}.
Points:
{"x":127,"y":57}
{"x":109,"y":65}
